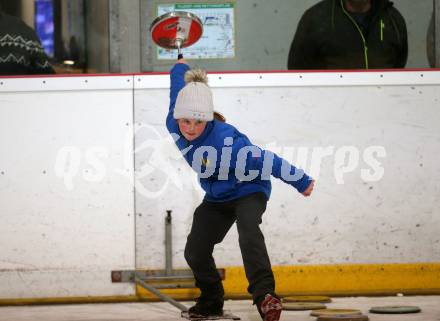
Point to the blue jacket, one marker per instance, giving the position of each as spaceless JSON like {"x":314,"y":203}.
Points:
{"x":228,"y":165}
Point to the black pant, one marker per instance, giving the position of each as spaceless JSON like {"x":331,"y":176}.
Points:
{"x":211,"y":222}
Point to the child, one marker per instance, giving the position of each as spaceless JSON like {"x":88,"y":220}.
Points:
{"x":236,"y":178}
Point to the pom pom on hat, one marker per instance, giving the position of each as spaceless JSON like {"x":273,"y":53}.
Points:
{"x":196,"y":75}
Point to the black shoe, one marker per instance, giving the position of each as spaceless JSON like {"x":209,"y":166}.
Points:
{"x":206,"y":307}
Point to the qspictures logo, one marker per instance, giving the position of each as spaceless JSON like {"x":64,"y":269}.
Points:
{"x":156,"y":156}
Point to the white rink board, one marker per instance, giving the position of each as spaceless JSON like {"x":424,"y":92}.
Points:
{"x":62,"y":237}
{"x":393,"y":220}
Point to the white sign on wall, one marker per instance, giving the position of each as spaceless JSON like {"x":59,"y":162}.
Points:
{"x":217,"y":40}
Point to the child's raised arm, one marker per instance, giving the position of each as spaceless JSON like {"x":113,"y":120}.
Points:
{"x":177,"y":79}
{"x":177,"y":76}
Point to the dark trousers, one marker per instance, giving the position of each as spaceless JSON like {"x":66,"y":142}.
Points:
{"x":211,"y":222}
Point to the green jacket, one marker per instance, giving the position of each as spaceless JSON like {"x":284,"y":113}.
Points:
{"x":328,"y":37}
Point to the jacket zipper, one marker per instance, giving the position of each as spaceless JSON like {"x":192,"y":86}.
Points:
{"x":360,"y":32}
{"x":382,"y":27}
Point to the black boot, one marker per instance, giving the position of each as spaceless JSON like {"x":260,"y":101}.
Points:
{"x":206,"y":307}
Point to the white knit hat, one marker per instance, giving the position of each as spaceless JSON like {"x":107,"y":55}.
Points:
{"x":194,"y":101}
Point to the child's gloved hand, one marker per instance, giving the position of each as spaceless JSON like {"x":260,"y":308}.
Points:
{"x":309,"y":189}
